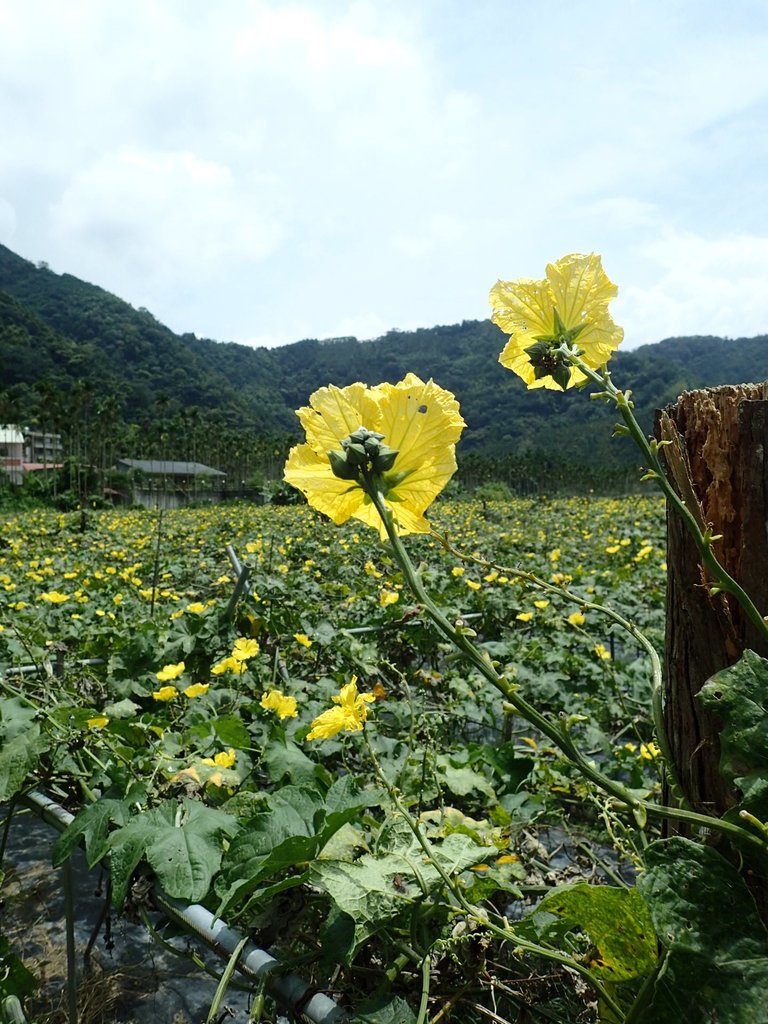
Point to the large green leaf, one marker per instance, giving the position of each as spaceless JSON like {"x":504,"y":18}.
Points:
{"x":617,"y":922}
{"x":283,"y":759}
{"x":181,"y":842}
{"x":16,"y":716}
{"x":296,"y":827}
{"x":376,"y":888}
{"x":716,"y":961}
{"x":386,"y":1010}
{"x":739,"y":694}
{"x":91,"y":827}
{"x":18,"y":758}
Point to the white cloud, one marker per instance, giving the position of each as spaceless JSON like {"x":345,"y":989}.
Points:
{"x":716,"y":286}
{"x":140,"y":221}
{"x":282,"y":168}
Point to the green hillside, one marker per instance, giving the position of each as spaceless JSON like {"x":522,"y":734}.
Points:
{"x":79,"y":360}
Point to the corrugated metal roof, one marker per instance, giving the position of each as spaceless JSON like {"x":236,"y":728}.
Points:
{"x":158,"y":467}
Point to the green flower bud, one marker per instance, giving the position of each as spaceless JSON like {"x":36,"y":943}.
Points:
{"x":341,"y":468}
{"x":355,"y":453}
{"x":384,"y":459}
{"x":548,"y":362}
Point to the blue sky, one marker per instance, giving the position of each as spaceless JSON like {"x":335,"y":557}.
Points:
{"x":264,"y":171}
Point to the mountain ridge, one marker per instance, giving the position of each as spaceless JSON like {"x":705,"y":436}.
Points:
{"x":65,"y":337}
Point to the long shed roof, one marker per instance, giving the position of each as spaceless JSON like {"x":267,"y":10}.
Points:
{"x":160,"y":467}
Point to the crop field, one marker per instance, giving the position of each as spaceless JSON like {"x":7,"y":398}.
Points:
{"x":180,"y":716}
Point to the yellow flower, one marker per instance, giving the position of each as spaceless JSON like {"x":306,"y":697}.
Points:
{"x":170,"y":672}
{"x":349,"y":714}
{"x":419,"y":424}
{"x":649,"y":751}
{"x":576,"y":619}
{"x":245,"y":649}
{"x":457,"y":570}
{"x":388,"y":597}
{"x":196,"y":608}
{"x":196,"y":690}
{"x":275,"y":700}
{"x":224,"y":759}
{"x":543,"y":603}
{"x":570,"y":305}
{"x":602,"y":652}
{"x":165,"y":693}
{"x":473,"y":584}
{"x":54,"y":597}
{"x":228,"y":665}
{"x":524,"y":616}
{"x":303,"y":639}
{"x":97,"y":723}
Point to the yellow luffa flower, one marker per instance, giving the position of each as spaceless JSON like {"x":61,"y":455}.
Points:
{"x":196,"y":690}
{"x":275,"y":700}
{"x":165,"y":693}
{"x":349,"y":715}
{"x":170,"y":672}
{"x":420,"y":424}
{"x":245,"y":649}
{"x":224,"y":759}
{"x":229,"y":664}
{"x":571,"y":305}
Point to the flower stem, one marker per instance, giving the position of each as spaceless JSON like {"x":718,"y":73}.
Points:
{"x":558,"y":734}
{"x":723,"y":580}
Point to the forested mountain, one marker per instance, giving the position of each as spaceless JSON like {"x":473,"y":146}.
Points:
{"x":77,"y":359}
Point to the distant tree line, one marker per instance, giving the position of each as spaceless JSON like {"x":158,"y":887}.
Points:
{"x":116,"y":383}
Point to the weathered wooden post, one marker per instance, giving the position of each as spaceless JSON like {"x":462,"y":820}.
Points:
{"x":718,"y":463}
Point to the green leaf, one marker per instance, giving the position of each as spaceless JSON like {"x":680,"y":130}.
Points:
{"x":384,"y":1011}
{"x":91,"y":826}
{"x":16,"y":717}
{"x":16,"y":981}
{"x":283,"y":759}
{"x":298,"y":824}
{"x":716,"y":962}
{"x":374,"y":889}
{"x":125,"y":708}
{"x":463,"y":780}
{"x":739,"y":694}
{"x":617,"y":922}
{"x":181,"y":843}
{"x":269,"y":844}
{"x":231,"y":732}
{"x":18,"y":758}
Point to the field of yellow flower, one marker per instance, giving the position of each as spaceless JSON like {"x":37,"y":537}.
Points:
{"x":153,"y":680}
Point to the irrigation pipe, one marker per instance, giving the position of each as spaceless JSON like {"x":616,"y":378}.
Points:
{"x":288,"y":989}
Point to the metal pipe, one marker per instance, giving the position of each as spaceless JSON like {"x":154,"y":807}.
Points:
{"x":288,"y":989}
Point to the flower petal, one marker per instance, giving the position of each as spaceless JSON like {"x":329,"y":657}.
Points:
{"x":334,"y":413}
{"x":311,"y":473}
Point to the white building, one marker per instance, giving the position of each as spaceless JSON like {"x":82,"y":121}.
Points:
{"x":28,"y":451}
{"x":12,"y":453}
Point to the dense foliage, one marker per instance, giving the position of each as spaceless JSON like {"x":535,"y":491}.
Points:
{"x":306,"y":825}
